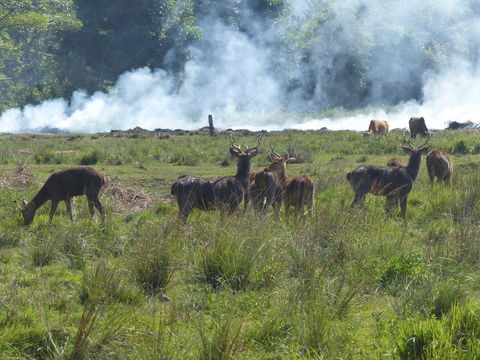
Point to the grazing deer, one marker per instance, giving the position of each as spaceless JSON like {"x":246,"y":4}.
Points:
{"x":224,"y":193}
{"x":393,"y":182}
{"x":440,"y":165}
{"x":62,"y":186}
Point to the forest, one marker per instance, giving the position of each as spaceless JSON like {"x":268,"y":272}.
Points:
{"x":318,"y":55}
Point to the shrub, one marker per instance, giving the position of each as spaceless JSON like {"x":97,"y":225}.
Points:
{"x":90,"y":158}
{"x":460,"y":147}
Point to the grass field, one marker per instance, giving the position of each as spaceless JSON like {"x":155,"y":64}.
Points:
{"x":343,"y":284}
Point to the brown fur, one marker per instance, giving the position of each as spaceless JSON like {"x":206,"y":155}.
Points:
{"x":395,"y":161}
{"x":224,"y":193}
{"x":418,"y":127}
{"x":299,"y":192}
{"x":62,"y":186}
{"x":393,"y":182}
{"x":377,"y":127}
{"x":439,"y":165}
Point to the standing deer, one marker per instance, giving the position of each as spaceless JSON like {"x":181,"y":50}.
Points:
{"x":62,"y":186}
{"x":297,"y":191}
{"x":440,"y":165}
{"x":224,"y":193}
{"x":269,"y":182}
{"x":393,"y":182}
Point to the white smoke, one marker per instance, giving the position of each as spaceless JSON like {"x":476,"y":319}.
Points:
{"x":232,"y":76}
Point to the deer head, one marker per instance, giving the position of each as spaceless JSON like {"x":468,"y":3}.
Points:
{"x":410,"y":149}
{"x":237,"y":153}
{"x":28,"y":211}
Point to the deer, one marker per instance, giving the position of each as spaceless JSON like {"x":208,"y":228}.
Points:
{"x":297,"y":191}
{"x":63,"y":186}
{"x":393,"y":182}
{"x":440,"y":165}
{"x":224,"y":194}
{"x":269,"y":182}
{"x":395,"y":161}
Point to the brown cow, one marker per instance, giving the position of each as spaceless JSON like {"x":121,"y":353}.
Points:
{"x":418,"y":127}
{"x":440,"y":165}
{"x":377,"y":127}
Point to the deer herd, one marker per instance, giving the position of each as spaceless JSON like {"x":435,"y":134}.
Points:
{"x":265,"y":188}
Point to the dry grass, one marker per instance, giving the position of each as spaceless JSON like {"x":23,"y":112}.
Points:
{"x":22,"y":176}
{"x":130,"y":199}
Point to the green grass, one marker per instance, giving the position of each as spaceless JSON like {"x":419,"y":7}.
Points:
{"x":343,"y":284}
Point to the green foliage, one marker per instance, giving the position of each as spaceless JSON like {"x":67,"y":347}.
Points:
{"x":90,"y":158}
{"x":344,"y":283}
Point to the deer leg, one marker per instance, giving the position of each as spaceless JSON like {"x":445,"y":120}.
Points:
{"x":287,"y":210}
{"x":100,"y":209}
{"x":358,"y":199}
{"x":447,"y":180}
{"x":68,"y":203}
{"x":53,"y":209}
{"x":389,"y":204}
{"x":403,"y":206}
{"x":91,"y":207}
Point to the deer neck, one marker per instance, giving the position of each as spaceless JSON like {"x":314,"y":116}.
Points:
{"x":282,"y":174}
{"x":243,"y":171}
{"x":414,"y":165}
{"x":38,"y":200}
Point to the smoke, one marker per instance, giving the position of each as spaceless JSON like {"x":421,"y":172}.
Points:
{"x":367,"y":59}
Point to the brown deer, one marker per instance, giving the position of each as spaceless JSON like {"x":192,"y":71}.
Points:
{"x":440,"y":165}
{"x":270,"y":181}
{"x":299,"y":192}
{"x":395,"y":161}
{"x":62,"y":186}
{"x":393,"y":182}
{"x":224,"y":193}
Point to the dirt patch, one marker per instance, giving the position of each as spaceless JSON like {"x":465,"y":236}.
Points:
{"x":130,"y":199}
{"x":22,"y":177}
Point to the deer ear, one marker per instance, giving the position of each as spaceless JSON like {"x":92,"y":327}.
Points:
{"x":253,"y":152}
{"x":407,"y":150}
{"x":290,"y":160}
{"x":234,"y":153}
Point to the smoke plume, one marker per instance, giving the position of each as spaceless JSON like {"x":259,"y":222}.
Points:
{"x":359,"y":59}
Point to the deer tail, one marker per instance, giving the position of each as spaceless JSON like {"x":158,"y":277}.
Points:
{"x":348,"y":175}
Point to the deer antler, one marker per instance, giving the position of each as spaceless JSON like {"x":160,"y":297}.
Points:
{"x":258,"y":143}
{"x":425,"y":143}
{"x":233,"y":145}
{"x":16,"y":203}
{"x":406,"y":140}
{"x":273,"y":151}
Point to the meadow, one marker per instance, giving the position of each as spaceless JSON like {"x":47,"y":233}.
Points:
{"x":343,"y":284}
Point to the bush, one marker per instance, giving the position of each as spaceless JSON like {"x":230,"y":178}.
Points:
{"x":90,"y":158}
